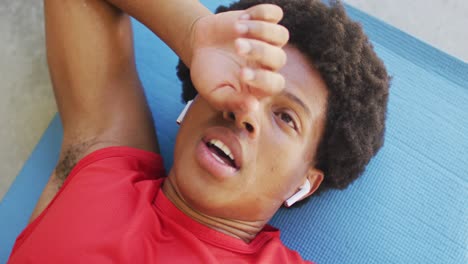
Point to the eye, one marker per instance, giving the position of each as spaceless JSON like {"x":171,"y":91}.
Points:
{"x":286,"y":118}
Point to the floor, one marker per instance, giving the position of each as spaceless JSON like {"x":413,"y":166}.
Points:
{"x":27,"y":104}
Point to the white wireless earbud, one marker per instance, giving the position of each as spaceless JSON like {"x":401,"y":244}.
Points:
{"x":184,"y":111}
{"x":303,"y":191}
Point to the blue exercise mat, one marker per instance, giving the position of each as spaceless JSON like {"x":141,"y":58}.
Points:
{"x":410,"y":206}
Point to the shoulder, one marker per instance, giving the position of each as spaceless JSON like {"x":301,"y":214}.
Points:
{"x":94,"y":164}
{"x":112,"y":162}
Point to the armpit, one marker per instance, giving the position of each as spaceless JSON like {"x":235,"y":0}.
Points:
{"x":70,"y":155}
{"x":69,"y":158}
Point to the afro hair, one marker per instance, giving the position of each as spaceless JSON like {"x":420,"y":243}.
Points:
{"x":356,"y":79}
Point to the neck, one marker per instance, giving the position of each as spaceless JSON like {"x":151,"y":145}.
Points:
{"x":244,"y":230}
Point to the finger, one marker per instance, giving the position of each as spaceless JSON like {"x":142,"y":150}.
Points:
{"x":228,"y":99}
{"x":264,"y":31}
{"x":265,"y":12}
{"x":261,"y":53}
{"x":263,"y":82}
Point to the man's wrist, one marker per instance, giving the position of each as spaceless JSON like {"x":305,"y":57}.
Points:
{"x":191,"y":45}
{"x":172,"y":21}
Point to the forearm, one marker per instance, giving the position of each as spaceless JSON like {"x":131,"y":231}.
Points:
{"x":170,"y":20}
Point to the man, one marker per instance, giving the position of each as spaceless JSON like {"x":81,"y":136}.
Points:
{"x":265,"y":130}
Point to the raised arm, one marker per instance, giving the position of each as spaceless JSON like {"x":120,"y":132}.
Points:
{"x":172,"y":21}
{"x":99,"y":96}
{"x":218,"y":48}
{"x":91,"y":62}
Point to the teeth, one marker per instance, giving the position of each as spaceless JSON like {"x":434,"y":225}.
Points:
{"x":218,"y":158}
{"x":222,"y":147}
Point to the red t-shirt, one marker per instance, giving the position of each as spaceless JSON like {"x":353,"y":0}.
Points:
{"x":111,"y":210}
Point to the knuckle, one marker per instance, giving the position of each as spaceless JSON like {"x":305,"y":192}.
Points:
{"x":262,"y":30}
{"x":261,"y":52}
{"x":259,"y":80}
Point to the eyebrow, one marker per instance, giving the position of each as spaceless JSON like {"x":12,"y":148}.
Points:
{"x":298,"y":101}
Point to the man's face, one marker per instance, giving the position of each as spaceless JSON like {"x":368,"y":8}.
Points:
{"x":273,"y":148}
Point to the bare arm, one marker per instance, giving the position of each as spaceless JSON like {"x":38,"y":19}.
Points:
{"x":99,"y":96}
{"x":172,"y":21}
{"x":91,"y":62}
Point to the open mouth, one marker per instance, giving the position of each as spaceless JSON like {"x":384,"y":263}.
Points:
{"x":221,"y":153}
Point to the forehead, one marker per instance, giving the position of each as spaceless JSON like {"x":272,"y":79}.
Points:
{"x":305,"y":82}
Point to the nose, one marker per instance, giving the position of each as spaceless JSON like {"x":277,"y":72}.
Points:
{"x":247,"y":121}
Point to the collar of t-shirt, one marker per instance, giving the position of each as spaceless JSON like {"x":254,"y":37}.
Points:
{"x":212,"y":236}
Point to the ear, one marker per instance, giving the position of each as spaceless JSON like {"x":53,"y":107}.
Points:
{"x":315,"y":178}
{"x":311,"y":182}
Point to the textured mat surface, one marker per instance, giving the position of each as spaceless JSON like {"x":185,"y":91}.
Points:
{"x":409,"y":207}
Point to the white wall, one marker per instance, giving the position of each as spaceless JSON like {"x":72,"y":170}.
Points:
{"x":441,"y":23}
